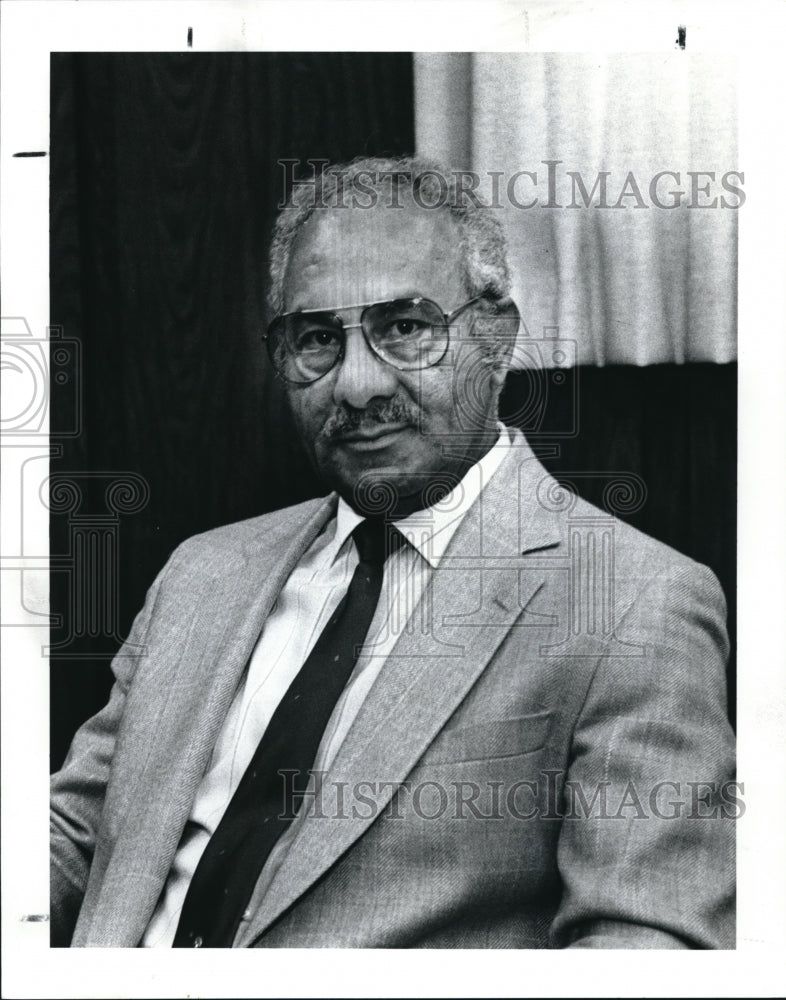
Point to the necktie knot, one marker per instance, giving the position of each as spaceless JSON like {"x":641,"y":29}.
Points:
{"x":376,"y":539}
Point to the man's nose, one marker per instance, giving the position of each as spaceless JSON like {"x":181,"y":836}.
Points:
{"x":362,"y":375}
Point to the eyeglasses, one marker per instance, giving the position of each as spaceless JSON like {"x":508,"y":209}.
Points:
{"x":408,"y":334}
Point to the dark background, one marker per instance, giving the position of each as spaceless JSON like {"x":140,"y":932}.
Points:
{"x":164,"y":187}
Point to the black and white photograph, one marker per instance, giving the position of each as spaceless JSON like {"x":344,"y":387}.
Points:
{"x":384,"y":563}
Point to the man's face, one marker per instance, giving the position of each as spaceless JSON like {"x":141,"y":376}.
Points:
{"x":365,"y":423}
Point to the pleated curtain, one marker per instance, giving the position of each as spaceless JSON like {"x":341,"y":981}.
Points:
{"x":636,"y":284}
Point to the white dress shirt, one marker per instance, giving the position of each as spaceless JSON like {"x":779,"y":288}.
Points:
{"x":304,"y":606}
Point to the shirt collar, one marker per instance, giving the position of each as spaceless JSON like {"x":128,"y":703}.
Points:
{"x":431,"y":529}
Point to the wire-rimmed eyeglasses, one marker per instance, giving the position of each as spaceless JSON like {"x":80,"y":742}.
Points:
{"x":408,"y":334}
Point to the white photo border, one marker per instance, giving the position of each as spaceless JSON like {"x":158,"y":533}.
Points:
{"x":31,"y":30}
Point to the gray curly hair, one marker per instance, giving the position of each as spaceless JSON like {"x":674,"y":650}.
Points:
{"x":481,"y":236}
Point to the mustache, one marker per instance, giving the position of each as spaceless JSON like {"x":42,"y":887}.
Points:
{"x":346,"y":419}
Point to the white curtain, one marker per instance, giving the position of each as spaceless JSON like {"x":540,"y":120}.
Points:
{"x":635,"y":285}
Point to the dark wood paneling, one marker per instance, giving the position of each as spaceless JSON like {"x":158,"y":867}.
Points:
{"x":165,"y":184}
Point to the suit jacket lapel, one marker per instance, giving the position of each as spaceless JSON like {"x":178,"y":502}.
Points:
{"x":475,"y":595}
{"x":233,"y":606}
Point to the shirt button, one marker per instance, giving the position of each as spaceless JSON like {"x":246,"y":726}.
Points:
{"x":197,"y":942}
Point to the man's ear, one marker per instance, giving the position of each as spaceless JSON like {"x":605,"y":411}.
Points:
{"x":507,"y":321}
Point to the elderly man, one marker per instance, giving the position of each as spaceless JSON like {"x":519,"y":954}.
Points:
{"x":435,"y":708}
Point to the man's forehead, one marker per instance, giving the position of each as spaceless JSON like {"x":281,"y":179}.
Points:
{"x":373,"y":252}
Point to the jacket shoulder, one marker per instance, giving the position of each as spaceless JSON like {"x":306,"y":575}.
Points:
{"x":234,"y":538}
{"x":640,"y":557}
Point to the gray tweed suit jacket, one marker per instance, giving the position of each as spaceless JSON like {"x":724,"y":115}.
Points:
{"x":543,"y":760}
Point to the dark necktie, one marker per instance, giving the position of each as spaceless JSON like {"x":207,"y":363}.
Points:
{"x":257,"y":815}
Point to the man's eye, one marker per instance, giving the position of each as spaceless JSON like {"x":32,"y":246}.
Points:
{"x":316,"y":339}
{"x":405,"y":327}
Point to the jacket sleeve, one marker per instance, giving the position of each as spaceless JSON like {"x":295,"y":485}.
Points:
{"x":651,"y":863}
{"x":77,"y":790}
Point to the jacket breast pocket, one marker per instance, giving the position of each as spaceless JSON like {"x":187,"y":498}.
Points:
{"x":491,"y":739}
